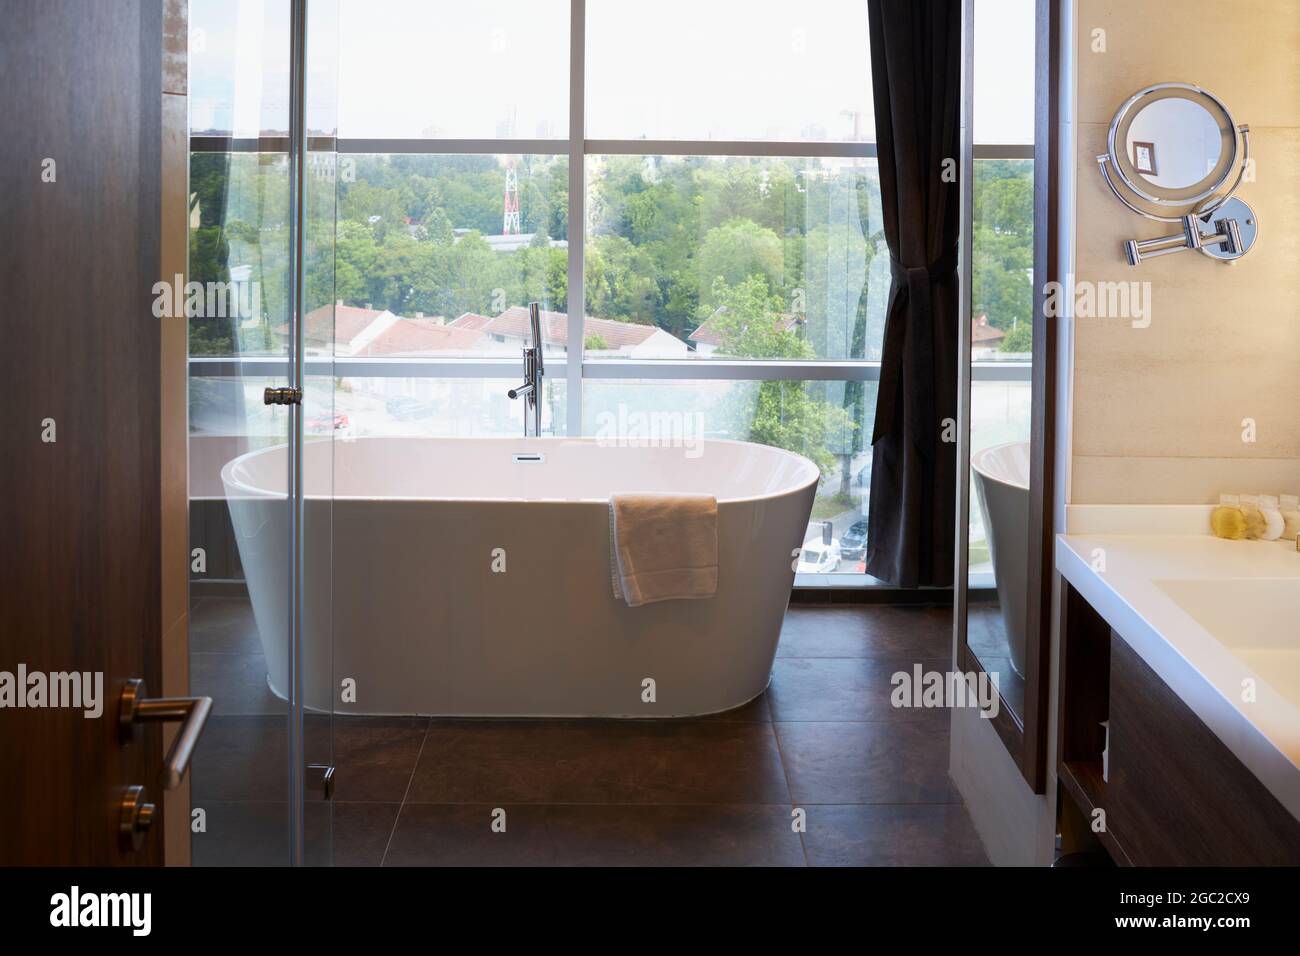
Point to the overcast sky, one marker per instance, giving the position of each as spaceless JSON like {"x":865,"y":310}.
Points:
{"x":672,"y":69}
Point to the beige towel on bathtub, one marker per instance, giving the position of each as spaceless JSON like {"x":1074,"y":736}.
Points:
{"x":663,"y":547}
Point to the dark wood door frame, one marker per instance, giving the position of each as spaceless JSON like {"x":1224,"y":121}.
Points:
{"x":1042,"y":475}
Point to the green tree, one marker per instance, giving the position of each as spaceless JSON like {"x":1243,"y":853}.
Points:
{"x":1019,"y":339}
{"x":735,"y":251}
{"x":782,"y":413}
{"x":620,"y":281}
{"x":1003,"y":242}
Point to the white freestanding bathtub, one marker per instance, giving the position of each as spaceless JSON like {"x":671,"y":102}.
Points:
{"x":1002,"y":486}
{"x":406,"y":597}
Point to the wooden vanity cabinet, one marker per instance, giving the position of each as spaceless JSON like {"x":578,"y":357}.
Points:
{"x":1174,"y":794}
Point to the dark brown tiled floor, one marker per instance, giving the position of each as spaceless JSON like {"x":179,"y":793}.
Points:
{"x":986,"y":635}
{"x":871,"y":780}
{"x":596,"y":834}
{"x":916,"y":834}
{"x":886,"y":761}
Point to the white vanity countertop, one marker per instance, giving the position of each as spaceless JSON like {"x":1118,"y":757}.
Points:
{"x":1206,"y":615}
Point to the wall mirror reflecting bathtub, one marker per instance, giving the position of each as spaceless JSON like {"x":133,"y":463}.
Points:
{"x":1005,"y":441}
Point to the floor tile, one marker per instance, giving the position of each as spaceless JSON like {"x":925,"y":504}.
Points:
{"x":549,"y":835}
{"x":843,"y":688}
{"x":374,"y":757}
{"x":223,"y":625}
{"x":235,"y":682}
{"x":241,"y":834}
{"x":901,"y":761}
{"x":255,"y":833}
{"x":683,"y":762}
{"x":985,"y":631}
{"x":866,"y":631}
{"x":892,"y":835}
{"x":987,"y":639}
{"x":241,"y":759}
{"x":360,"y":832}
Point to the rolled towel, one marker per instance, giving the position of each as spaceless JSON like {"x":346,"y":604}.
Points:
{"x":663,"y":547}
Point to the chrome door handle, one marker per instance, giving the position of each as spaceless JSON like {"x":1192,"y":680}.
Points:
{"x":134,"y":708}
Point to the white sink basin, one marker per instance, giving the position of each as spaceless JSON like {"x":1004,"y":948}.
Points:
{"x":1257,"y":619}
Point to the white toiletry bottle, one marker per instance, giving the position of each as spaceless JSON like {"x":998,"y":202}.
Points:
{"x":1255,"y":524}
{"x":1273,"y":521}
{"x":1290,"y":505}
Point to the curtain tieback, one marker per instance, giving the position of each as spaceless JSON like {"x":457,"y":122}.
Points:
{"x":907,"y":360}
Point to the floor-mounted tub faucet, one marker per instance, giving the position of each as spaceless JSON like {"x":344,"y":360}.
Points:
{"x":531,"y":390}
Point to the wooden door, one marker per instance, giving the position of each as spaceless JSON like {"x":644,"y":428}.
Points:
{"x":79,"y":416}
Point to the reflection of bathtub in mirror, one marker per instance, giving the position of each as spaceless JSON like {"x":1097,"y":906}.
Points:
{"x":1002,"y":485}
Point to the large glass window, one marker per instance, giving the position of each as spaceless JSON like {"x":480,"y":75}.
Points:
{"x":430,"y":262}
{"x":1004,"y":72}
{"x":822,"y":420}
{"x":739,"y":257}
{"x":439,"y":69}
{"x":238,"y":68}
{"x":720,"y":255}
{"x":761,"y":70}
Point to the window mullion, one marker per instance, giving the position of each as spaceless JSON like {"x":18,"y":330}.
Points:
{"x":577,"y":306}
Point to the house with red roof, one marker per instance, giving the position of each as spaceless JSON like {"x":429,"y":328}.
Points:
{"x":985,"y":339}
{"x":423,"y":336}
{"x":708,"y":337}
{"x":345,"y":330}
{"x":510,"y":329}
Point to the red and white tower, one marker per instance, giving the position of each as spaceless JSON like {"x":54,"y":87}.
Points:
{"x":510,"y":202}
{"x":510,"y":222}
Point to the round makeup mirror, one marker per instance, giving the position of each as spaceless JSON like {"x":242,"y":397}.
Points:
{"x":1173,"y":144}
{"x":1174,"y":154}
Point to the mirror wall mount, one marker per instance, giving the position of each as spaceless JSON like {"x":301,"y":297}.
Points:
{"x":1176,"y":145}
{"x":1231,"y":235}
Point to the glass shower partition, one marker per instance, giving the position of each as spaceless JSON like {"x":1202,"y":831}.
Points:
{"x":322,"y":423}
{"x":236,"y":299}
{"x":263,"y":421}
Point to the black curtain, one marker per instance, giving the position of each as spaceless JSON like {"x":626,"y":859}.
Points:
{"x":916,"y":75}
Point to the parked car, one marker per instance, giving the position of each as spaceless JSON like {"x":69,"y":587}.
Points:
{"x":853,"y":545}
{"x":819,"y":558}
{"x":405,"y":408}
{"x":323,"y":423}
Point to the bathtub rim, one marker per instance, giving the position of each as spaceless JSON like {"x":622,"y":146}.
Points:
{"x":236,"y":488}
{"x":975,"y":461}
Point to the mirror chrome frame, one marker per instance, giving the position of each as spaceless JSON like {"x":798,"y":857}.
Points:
{"x":1229,"y":241}
{"x":1113,"y":155}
